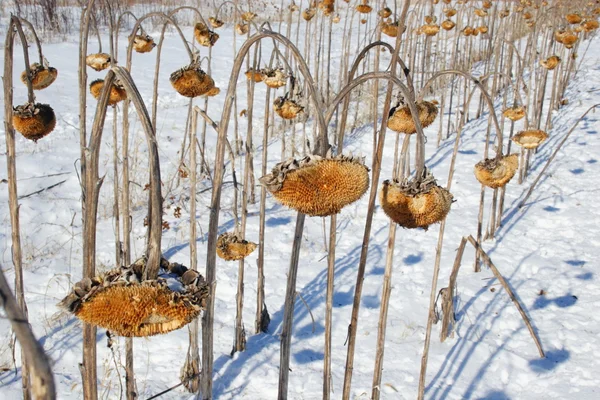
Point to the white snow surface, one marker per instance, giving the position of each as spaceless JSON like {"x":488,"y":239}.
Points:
{"x":552,"y":244}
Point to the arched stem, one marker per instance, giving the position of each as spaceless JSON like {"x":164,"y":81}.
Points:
{"x":193,"y":9}
{"x":168,"y":18}
{"x":88,"y":367}
{"x":93,"y":182}
{"x":159,"y":52}
{"x":322,"y":146}
{"x":118,"y":27}
{"x":35,"y":36}
{"x":420,"y":158}
{"x":486,"y":96}
{"x":11,"y":166}
{"x":354,"y":68}
{"x":15,"y":23}
{"x":376,"y":171}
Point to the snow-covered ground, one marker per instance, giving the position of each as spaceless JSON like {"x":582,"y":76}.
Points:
{"x":550,"y":245}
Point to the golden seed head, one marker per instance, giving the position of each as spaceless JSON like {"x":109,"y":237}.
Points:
{"x":448,"y":25}
{"x":481,"y":12}
{"x":308,"y":14}
{"x":192,"y":81}
{"x":34,"y":121}
{"x":230,"y":247}
{"x":248,"y":16}
{"x":255,"y":75}
{"x":450,"y":12}
{"x":98,"y":61}
{"x":215,"y":23}
{"x":286,"y":108}
{"x":41,"y":76}
{"x":573,"y":18}
{"x":530,"y":139}
{"x":274,"y":77}
{"x":401,"y":120}
{"x":143,"y":43}
{"x":119,"y":301}
{"x":415,"y":203}
{"x":242,"y":29}
{"x":385,"y":12}
{"x":390,"y":28}
{"x":364,"y":7}
{"x":430,"y":29}
{"x":495,"y":173}
{"x":550,"y":62}
{"x":318,"y":186}
{"x":514,"y":113}
{"x":117,"y":92}
{"x":204,"y":36}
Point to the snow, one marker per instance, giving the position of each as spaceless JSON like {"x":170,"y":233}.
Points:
{"x":552,"y":244}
